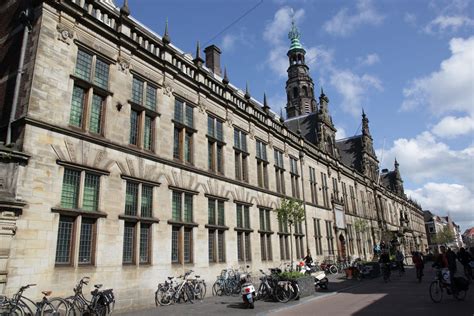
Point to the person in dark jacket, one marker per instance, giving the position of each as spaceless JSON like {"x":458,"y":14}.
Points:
{"x":465,"y":258}
{"x":419,"y":264}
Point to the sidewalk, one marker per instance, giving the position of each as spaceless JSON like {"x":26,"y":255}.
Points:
{"x":232,"y":305}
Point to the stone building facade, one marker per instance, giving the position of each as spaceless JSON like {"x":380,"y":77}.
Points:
{"x":128,"y":160}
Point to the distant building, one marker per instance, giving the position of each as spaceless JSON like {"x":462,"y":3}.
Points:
{"x":468,"y":237}
{"x":435,"y":225}
{"x":129,"y":160}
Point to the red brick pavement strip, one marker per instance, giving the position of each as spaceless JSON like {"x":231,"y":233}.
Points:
{"x":402,"y":296}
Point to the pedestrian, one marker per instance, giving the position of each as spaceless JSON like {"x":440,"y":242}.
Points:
{"x":451,"y":256}
{"x":419,"y":265}
{"x":384,"y":261}
{"x":465,"y":258}
{"x":399,"y":257}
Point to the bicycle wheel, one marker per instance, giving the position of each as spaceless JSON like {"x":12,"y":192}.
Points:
{"x":199,"y":291}
{"x":165,"y":296}
{"x":217,"y":289}
{"x":333,"y":269}
{"x":295,"y":291}
{"x":188,"y":293}
{"x":204,"y":288}
{"x":282,"y":293}
{"x":11,"y":310}
{"x":263,"y":292}
{"x":436,"y":292}
{"x":60,"y":305}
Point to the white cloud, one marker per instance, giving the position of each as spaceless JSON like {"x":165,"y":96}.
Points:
{"x":353,"y":88}
{"x":410,"y":19}
{"x":423,"y":158}
{"x":369,"y":60}
{"x":343,"y":23}
{"x":228,"y":42}
{"x":451,"y":126}
{"x":451,"y":88}
{"x":341,"y":132}
{"x":446,"y":198}
{"x":280,"y":25}
{"x":443,"y":24}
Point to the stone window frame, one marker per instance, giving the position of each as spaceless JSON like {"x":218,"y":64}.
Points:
{"x":78,"y":214}
{"x":182,"y":227}
{"x":216,"y":230}
{"x":244,"y":245}
{"x":90,"y":89}
{"x":299,"y":239}
{"x":241,"y":155}
{"x":318,"y":236}
{"x":295,"y":188}
{"x":265,"y":231}
{"x":330,"y":237}
{"x":215,"y":143}
{"x":138,"y":221}
{"x":144,"y":114}
{"x":183,"y":129}
{"x":279,"y":171}
{"x":262,"y":163}
{"x":324,"y":187}
{"x":313,"y":184}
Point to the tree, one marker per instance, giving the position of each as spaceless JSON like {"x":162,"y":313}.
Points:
{"x":292,"y":211}
{"x":445,"y":236}
{"x":360,"y":226}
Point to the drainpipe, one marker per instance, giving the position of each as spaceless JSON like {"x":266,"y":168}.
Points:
{"x":26,"y":18}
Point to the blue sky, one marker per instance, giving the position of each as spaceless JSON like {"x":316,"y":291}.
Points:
{"x":408,"y":63}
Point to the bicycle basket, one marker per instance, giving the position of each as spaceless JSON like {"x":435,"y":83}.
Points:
{"x":106,"y":297}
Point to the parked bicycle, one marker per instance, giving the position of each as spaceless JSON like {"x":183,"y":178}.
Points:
{"x":21,"y":305}
{"x":329,"y":268}
{"x":172,"y":292}
{"x":271,"y":287}
{"x":227,"y":283}
{"x":102,"y":302}
{"x":442,"y":283}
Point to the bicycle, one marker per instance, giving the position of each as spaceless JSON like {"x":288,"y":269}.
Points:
{"x":167,"y":294}
{"x":20,"y":305}
{"x":440,"y":284}
{"x":199,"y":287}
{"x":272,"y":287}
{"x":102,"y":302}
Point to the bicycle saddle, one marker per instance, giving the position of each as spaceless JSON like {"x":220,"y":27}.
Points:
{"x":46,"y":293}
{"x":170,"y":278}
{"x":197,"y":276}
{"x":98,"y":286}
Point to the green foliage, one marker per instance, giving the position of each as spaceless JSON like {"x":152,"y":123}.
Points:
{"x":290,"y":275}
{"x":291,"y":210}
{"x":445,"y":236}
{"x":360,"y":225}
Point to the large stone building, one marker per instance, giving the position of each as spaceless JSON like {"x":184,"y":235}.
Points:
{"x":127,"y":160}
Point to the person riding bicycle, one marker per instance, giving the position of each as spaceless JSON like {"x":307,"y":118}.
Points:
{"x":308,"y":260}
{"x":399,"y":257}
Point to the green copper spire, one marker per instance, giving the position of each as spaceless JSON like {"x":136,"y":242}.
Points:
{"x":294,"y":36}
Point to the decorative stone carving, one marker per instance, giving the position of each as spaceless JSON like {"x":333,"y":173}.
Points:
{"x":167,"y":90}
{"x":251,"y":131}
{"x":202,"y":106}
{"x":65,"y":34}
{"x":123,"y":64}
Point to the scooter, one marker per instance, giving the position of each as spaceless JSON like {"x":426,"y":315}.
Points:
{"x":320,"y":278}
{"x":247,"y":290}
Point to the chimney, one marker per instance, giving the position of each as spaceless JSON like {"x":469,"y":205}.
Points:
{"x":213,"y":59}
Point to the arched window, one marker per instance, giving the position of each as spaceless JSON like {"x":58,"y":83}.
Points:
{"x":295,"y":92}
{"x":305,"y":91}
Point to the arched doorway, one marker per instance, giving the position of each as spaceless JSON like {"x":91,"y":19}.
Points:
{"x":342,"y":242}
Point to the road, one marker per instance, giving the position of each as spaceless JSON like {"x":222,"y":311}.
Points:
{"x":403,"y":295}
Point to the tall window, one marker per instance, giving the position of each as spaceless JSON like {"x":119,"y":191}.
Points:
{"x":215,"y":145}
{"x":350,"y":235}
{"x":279,"y":172}
{"x":295,"y":191}
{"x":353,"y":200}
{"x":90,"y":90}
{"x":262,"y":162}
{"x":265,"y":235}
{"x":182,"y":227}
{"x":143,"y":113}
{"x":138,"y":217}
{"x":216,"y":230}
{"x":330,"y":237}
{"x":284,"y":239}
{"x":335,"y":189}
{"x":80,"y":191}
{"x":318,"y":236}
{"x":240,"y":154}
{"x":243,"y":232}
{"x":299,"y":244}
{"x":344,"y":196}
{"x":183,"y":132}
{"x":324,"y":186}
{"x":363,"y":204}
{"x":313,"y":185}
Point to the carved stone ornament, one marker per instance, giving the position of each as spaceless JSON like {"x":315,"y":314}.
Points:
{"x":270,"y":142}
{"x":202,"y":106}
{"x":167,"y":90}
{"x":123,"y":64}
{"x":252,"y":131}
{"x":65,"y":34}
{"x":229,"y":118}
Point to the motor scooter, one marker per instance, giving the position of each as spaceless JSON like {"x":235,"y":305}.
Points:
{"x":247,"y":290}
{"x":320,"y":278}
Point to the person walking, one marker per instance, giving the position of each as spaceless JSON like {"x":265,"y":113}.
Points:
{"x":399,"y":257}
{"x":384,"y":261}
{"x":465,"y":258}
{"x":419,"y":264}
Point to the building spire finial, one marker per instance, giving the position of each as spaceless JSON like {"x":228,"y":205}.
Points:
{"x":198,"y":60}
{"x":247,"y":93}
{"x":125,"y":10}
{"x":166,"y":36}
{"x":266,"y":108}
{"x":294,"y":36}
{"x":226,"y":79}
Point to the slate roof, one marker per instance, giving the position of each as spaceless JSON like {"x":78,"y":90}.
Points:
{"x":307,"y":125}
{"x":350,"y":151}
